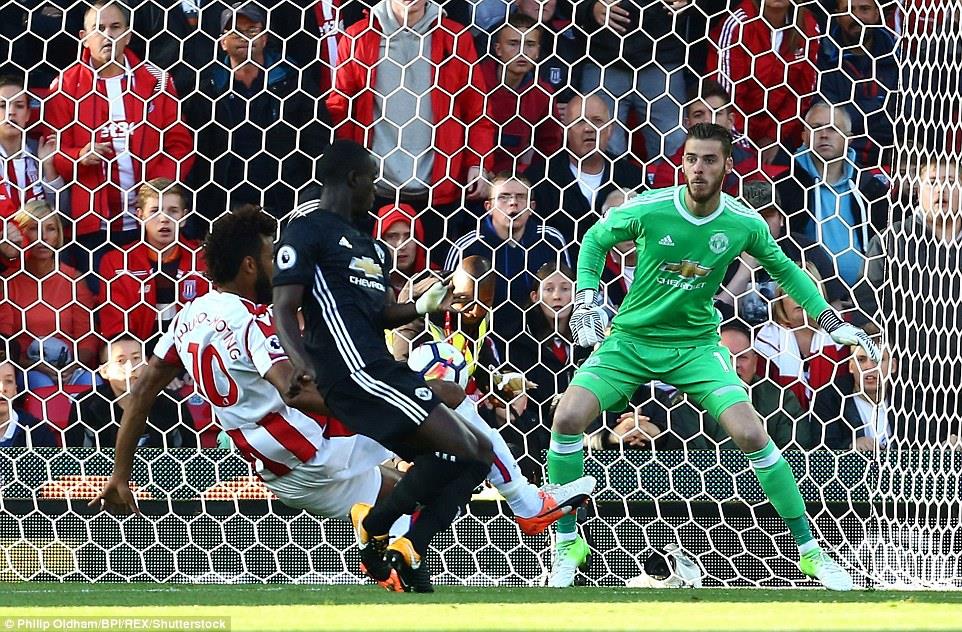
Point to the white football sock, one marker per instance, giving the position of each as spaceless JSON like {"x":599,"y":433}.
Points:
{"x":505,"y":474}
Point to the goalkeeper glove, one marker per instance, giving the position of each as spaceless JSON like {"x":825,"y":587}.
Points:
{"x":848,"y":335}
{"x":589,"y":319}
{"x":431,"y":301}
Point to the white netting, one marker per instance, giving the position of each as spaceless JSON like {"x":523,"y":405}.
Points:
{"x":218,"y":109}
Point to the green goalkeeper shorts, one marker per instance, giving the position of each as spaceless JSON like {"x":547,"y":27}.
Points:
{"x":622,"y":363}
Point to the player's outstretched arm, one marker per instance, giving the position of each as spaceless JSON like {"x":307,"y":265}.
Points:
{"x":116,"y":496}
{"x":802,"y":288}
{"x":288,"y":300}
{"x":308,"y":399}
{"x":437,"y":298}
{"x":848,"y":335}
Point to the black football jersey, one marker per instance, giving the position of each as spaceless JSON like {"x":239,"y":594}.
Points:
{"x":345,"y":274}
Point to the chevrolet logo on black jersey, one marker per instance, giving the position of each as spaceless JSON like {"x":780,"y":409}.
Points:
{"x":366,"y":266}
{"x":687,"y":269}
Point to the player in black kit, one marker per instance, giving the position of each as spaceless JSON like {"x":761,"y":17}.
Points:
{"x":339,"y":275}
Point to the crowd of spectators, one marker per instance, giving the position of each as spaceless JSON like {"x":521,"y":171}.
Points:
{"x":504,"y":129}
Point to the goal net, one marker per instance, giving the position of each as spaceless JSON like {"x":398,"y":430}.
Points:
{"x":846,"y":125}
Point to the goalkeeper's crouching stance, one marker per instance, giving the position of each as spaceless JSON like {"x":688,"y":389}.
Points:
{"x":667,"y":330}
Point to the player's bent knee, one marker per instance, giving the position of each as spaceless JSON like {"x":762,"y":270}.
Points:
{"x":577,"y":408}
{"x":745,"y":427}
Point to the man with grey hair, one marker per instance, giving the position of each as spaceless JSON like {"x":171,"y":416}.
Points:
{"x":828,"y":197}
{"x":571,"y":188}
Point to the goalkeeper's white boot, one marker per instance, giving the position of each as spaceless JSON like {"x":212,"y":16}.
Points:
{"x":566,"y":558}
{"x":820,"y":565}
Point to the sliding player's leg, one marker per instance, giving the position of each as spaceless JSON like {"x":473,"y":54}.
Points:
{"x":347,"y":480}
{"x":535,"y":509}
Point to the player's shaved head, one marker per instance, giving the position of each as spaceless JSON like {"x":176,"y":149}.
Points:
{"x":347,"y":170}
{"x":341,"y":158}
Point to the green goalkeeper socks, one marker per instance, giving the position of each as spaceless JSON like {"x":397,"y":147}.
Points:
{"x":778,"y":482}
{"x":566,"y":462}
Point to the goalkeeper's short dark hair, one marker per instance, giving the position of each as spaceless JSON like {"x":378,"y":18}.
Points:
{"x":232,"y":237}
{"x":712,"y":131}
{"x":342,"y":157}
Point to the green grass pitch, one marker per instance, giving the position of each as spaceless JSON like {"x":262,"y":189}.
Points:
{"x":292,"y":608}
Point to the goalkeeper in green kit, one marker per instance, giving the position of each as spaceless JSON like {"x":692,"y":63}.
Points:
{"x":667,"y":329}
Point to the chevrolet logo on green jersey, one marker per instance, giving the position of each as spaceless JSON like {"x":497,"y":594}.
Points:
{"x":366,"y":266}
{"x":687,"y":269}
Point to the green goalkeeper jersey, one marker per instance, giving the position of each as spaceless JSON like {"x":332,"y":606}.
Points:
{"x":682,"y":260}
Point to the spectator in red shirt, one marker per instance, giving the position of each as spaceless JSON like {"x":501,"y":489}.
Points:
{"x":146,"y":283}
{"x":407,"y":86}
{"x":519,"y":104}
{"x":48,"y":311}
{"x":710,"y":103}
{"x":117,"y":124}
{"x":25,"y":171}
{"x":767,"y":59}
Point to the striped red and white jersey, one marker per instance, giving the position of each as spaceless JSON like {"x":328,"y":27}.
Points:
{"x":228,"y":344}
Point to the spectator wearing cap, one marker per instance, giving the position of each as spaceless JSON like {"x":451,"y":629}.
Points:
{"x":146,"y":283}
{"x":859,"y":68}
{"x":117,"y":122}
{"x":709,"y":102}
{"x":259,"y":125}
{"x":745,"y":278}
{"x":18,"y":428}
{"x":408,"y":86}
{"x":519,"y":104}
{"x":828,"y":196}
{"x":48,"y":309}
{"x":401,"y":229}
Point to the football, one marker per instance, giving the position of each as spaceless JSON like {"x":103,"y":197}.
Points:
{"x":439,"y":361}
